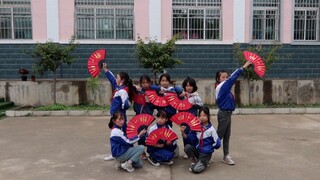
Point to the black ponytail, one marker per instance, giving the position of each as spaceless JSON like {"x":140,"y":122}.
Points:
{"x":116,"y":115}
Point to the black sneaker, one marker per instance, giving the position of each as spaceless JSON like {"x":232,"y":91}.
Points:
{"x":153,"y":162}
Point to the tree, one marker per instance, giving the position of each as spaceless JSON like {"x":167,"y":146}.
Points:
{"x":49,"y":56}
{"x":267,"y":53}
{"x":93,"y":84}
{"x":157,"y":56}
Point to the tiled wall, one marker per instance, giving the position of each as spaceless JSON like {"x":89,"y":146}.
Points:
{"x":200,"y":61}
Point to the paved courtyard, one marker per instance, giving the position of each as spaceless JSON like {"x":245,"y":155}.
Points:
{"x":73,"y":147}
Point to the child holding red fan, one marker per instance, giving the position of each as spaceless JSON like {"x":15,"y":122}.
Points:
{"x":122,"y":148}
{"x":226,"y":104}
{"x":202,"y":144}
{"x":164,"y":82}
{"x":164,"y":151}
{"x":190,"y":91}
{"x":145,"y":107}
{"x":123,"y":92}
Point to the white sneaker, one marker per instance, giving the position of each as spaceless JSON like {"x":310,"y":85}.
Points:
{"x":167,"y":162}
{"x":227,"y":160}
{"x":127,"y":166}
{"x":185,"y":156}
{"x":108,"y":158}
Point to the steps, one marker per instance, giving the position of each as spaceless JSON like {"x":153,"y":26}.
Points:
{"x":5,"y":106}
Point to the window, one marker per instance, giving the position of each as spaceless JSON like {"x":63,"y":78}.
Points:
{"x":15,"y":19}
{"x":266,"y":20}
{"x":197,"y":19}
{"x":306,"y":20}
{"x":104,"y":19}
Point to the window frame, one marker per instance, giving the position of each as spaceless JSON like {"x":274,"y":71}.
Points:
{"x":277,"y":23}
{"x":191,"y":33}
{"x":115,"y":20}
{"x":306,"y":8}
{"x":14,"y":14}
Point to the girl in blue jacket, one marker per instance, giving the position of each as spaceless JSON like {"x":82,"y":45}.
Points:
{"x":122,"y":94}
{"x":164,"y":82}
{"x":202,"y":144}
{"x":163,"y":152}
{"x":145,"y":84}
{"x":121,"y":147}
{"x":226,"y":104}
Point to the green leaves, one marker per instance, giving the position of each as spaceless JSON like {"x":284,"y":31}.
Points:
{"x":50,"y":55}
{"x":157,"y":56}
{"x":268,"y":53}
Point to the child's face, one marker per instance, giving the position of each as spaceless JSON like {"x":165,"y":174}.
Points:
{"x":164,"y":82}
{"x":203,"y":117}
{"x":118,"y":80}
{"x":189,"y":88}
{"x":224,"y":76}
{"x":145,"y":84}
{"x":161,"y":120}
{"x":119,"y":121}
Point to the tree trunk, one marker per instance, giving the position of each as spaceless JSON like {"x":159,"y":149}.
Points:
{"x":54,"y":87}
{"x":154,"y":77}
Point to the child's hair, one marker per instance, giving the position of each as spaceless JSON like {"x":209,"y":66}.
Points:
{"x":218,"y":74}
{"x":145,"y":77}
{"x":191,"y":82}
{"x":206,"y":111}
{"x":127,"y":81}
{"x":116,"y":115}
{"x":166,"y":75}
{"x":162,"y":113}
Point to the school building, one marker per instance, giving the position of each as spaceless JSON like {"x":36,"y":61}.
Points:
{"x":210,"y":29}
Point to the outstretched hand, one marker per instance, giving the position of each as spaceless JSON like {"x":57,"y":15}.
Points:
{"x":246,"y":64}
{"x":142,"y":132}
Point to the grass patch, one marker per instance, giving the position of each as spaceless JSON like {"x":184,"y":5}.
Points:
{"x":61,"y":107}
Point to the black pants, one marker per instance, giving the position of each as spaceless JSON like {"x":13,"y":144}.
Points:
{"x":224,"y":129}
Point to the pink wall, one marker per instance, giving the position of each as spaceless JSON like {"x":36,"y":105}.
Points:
{"x":286,"y":22}
{"x":39,"y":20}
{"x":227,"y":20}
{"x":248,"y":19}
{"x":166,"y":19}
{"x":66,"y":19}
{"x":141,"y":18}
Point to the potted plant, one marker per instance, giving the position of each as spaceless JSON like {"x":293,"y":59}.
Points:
{"x":23,"y":73}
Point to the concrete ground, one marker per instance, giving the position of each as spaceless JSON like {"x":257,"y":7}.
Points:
{"x":73,"y":147}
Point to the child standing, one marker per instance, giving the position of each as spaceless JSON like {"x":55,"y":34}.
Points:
{"x":190,"y":87}
{"x":145,"y":84}
{"x":121,"y":147}
{"x":165,"y":151}
{"x":123,"y":91}
{"x":226,"y":104}
{"x":164,"y":82}
{"x":202,"y":144}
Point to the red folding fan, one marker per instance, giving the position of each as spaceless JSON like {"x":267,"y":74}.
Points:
{"x":161,"y":134}
{"x":157,"y":100}
{"x":177,"y":103}
{"x":139,"y":98}
{"x":188,"y":119}
{"x":259,"y":67}
{"x":138,"y":123}
{"x":94,"y":62}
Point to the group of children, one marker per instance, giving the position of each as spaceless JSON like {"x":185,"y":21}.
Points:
{"x":198,"y":146}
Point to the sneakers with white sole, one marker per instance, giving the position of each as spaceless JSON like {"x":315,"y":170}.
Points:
{"x":153,"y":162}
{"x":228,"y":160}
{"x":127,"y":166}
{"x":108,"y":158}
{"x":167,"y":162}
{"x":185,"y":156}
